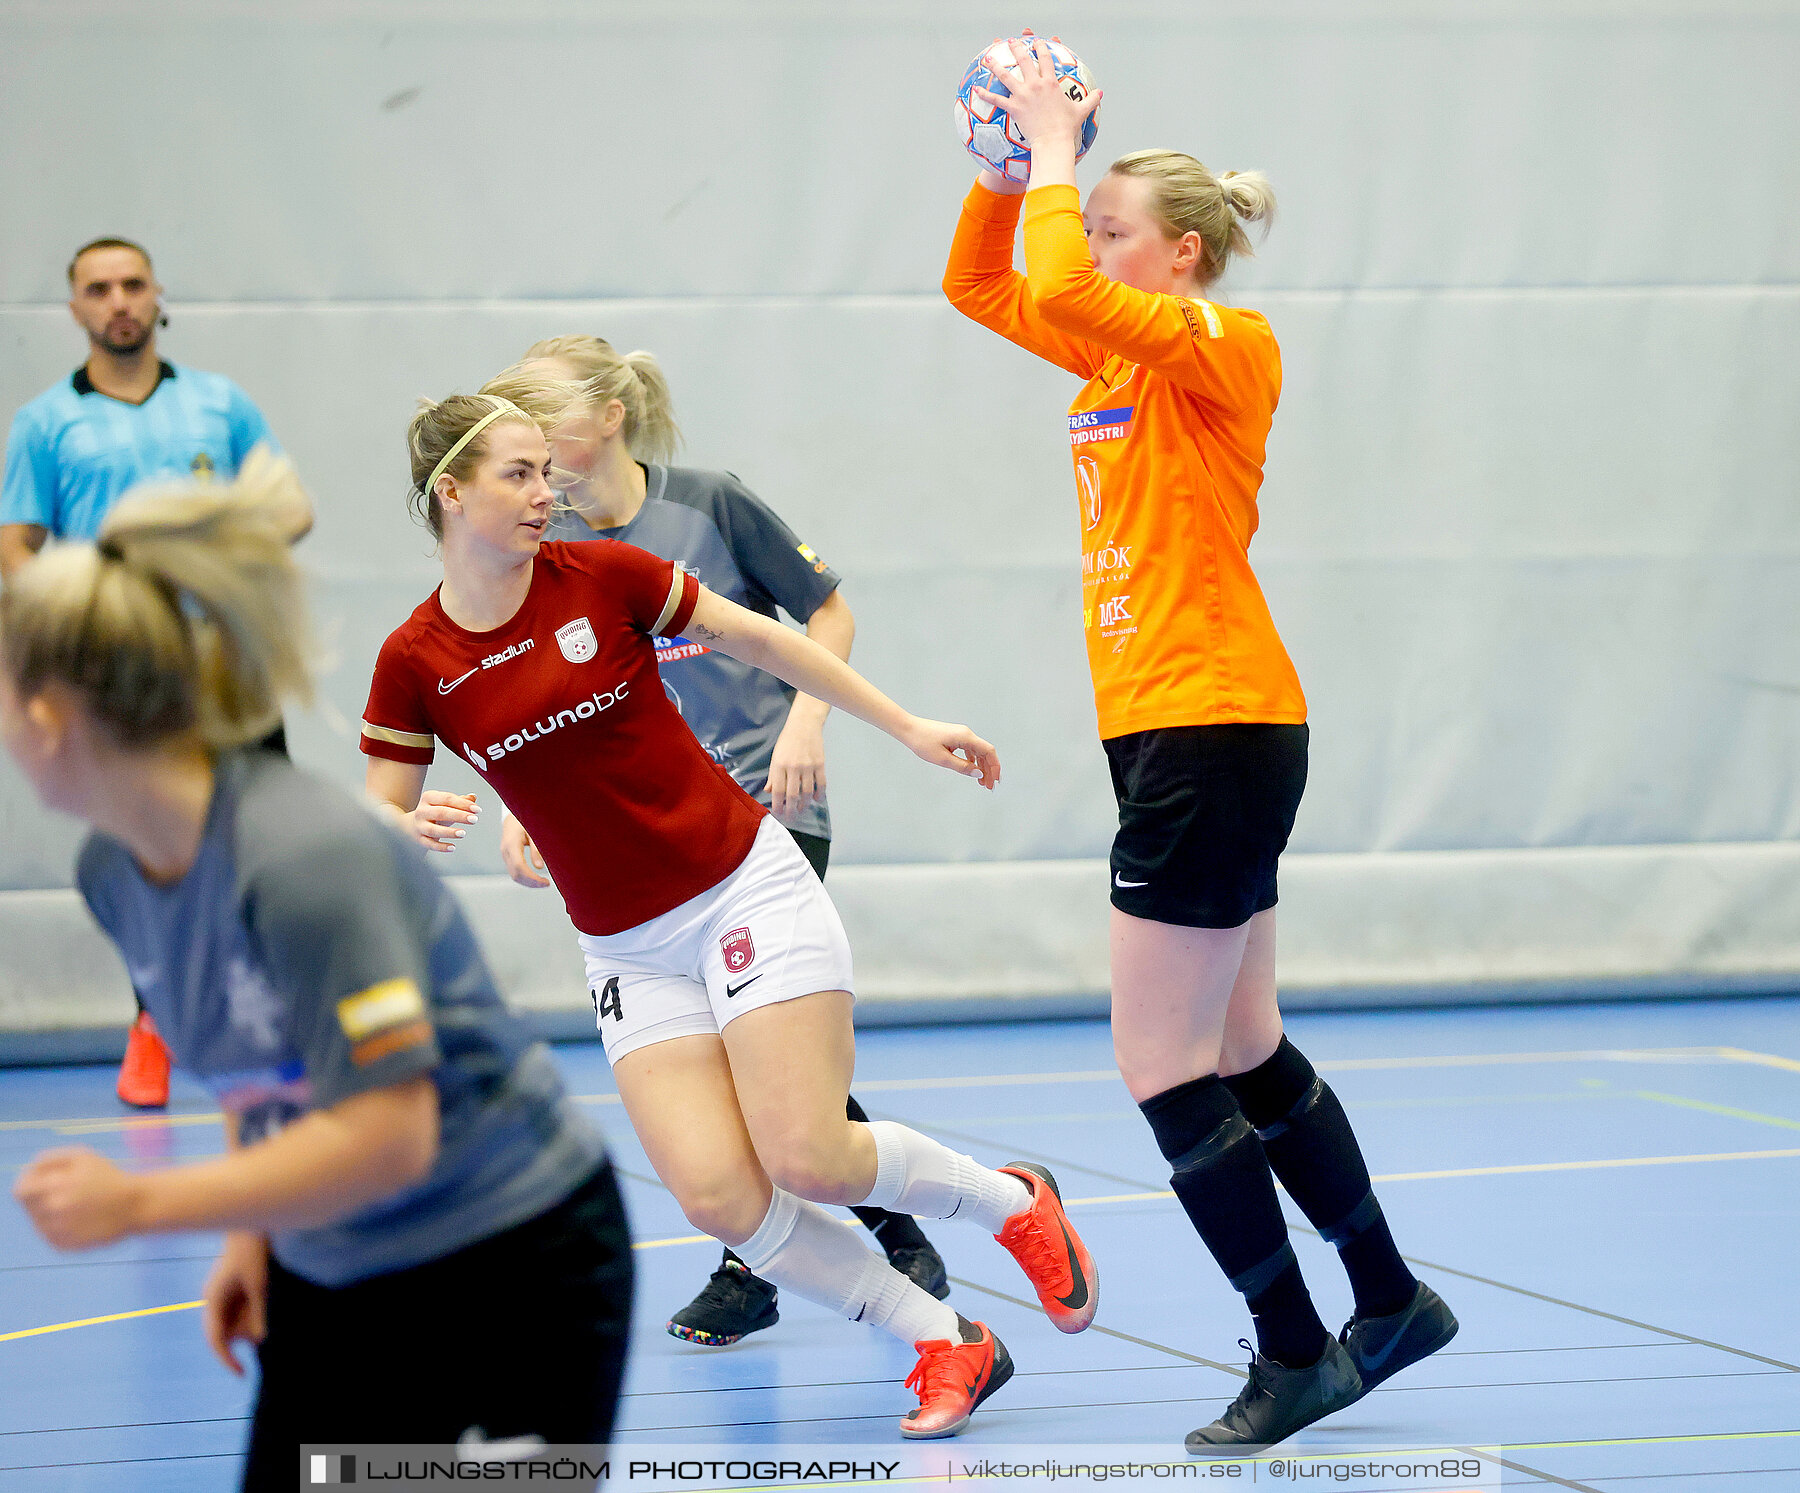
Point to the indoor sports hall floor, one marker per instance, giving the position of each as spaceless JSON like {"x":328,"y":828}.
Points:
{"x":1607,"y":1195}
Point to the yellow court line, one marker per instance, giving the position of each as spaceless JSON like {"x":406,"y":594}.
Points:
{"x":1490,"y":1171}
{"x":1763,"y":1059}
{"x":1497,"y":1059}
{"x":1549,"y":1446}
{"x":1582,"y":1166}
{"x":1119,"y":1197}
{"x":99,"y":1123}
{"x":148,"y":1311}
{"x":102,"y":1127}
{"x":1717,"y":1109}
{"x":188,"y":1306}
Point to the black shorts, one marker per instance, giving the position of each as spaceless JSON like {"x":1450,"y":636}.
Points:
{"x":521,"y":1334}
{"x":816,"y":849}
{"x":1204,"y":814}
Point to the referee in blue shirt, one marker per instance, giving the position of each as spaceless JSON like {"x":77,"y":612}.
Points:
{"x":125,"y":416}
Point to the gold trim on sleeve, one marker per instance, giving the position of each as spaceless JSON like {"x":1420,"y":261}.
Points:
{"x":673,"y":604}
{"x":398,"y":738}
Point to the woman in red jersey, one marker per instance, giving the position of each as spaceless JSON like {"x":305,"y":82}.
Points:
{"x":719,"y":970}
{"x":1203,"y":722}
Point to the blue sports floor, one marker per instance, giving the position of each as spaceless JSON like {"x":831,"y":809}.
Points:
{"x":1607,"y":1196}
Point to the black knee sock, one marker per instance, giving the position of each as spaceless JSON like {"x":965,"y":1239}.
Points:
{"x":891,"y":1230}
{"x":1312,"y":1148}
{"x":1223,"y":1181}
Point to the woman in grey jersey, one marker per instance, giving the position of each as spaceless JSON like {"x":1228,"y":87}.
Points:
{"x":422,"y":1236}
{"x":613,"y":449}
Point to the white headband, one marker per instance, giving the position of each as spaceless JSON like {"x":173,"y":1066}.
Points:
{"x":506,"y":407}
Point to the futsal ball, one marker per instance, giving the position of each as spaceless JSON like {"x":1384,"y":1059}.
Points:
{"x":989,"y":133}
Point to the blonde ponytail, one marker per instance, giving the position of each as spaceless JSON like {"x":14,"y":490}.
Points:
{"x":635,"y":379}
{"x":650,"y":431}
{"x":187,"y":615}
{"x":1188,"y":198}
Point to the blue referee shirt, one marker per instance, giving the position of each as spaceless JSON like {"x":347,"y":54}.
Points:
{"x":74,"y":452}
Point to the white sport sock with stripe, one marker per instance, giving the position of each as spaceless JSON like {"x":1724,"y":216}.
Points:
{"x":914,"y":1174}
{"x":802,"y":1248}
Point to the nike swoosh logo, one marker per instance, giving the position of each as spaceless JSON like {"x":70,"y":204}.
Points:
{"x":444,"y":689}
{"x":731,"y":990}
{"x":1077,"y":1297}
{"x":1120,"y":881}
{"x":1376,"y":1360}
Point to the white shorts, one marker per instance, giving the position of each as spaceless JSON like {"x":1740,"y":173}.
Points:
{"x":767,"y":933}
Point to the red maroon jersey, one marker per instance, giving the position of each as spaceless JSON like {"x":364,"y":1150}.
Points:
{"x":563,"y":712}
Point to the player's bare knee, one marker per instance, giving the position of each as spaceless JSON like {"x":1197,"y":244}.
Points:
{"x":812,"y":1165}
{"x":1149,"y":1071}
{"x":728,"y":1211}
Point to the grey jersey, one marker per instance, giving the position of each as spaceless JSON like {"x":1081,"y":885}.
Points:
{"x":308,"y":955}
{"x":736,"y":545}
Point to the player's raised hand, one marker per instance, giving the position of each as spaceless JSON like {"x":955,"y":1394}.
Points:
{"x":441,"y":819}
{"x":520,"y":856}
{"x":954,"y":747}
{"x":1041,"y":105}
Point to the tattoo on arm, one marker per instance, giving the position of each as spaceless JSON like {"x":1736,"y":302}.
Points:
{"x":706,"y":634}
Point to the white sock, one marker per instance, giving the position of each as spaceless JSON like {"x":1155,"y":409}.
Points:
{"x":914,"y":1174}
{"x":802,"y":1248}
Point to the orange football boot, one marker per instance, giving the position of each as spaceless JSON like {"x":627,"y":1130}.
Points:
{"x":144,"y":1075}
{"x":1051,"y":1253}
{"x":951,"y":1379}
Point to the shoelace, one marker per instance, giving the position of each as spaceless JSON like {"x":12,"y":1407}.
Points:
{"x":1252,"y":1385}
{"x":1036,"y":1243}
{"x":935,"y":1371}
{"x":724,"y":1288}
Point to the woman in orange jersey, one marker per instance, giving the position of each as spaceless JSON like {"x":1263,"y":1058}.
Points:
{"x":1203,"y":722}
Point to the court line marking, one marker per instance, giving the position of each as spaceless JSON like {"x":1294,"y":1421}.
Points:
{"x":1537,"y":1472}
{"x":1735,"y":1054}
{"x":1584,"y":1166}
{"x":188,"y":1306}
{"x":1500,"y":1285}
{"x":1592,"y":1311}
{"x":1716,"y":1109}
{"x":100,"y":1123}
{"x":1545,"y":1446}
{"x":126,"y":1425}
{"x":1142,"y":1342}
{"x":147,"y":1311}
{"x":115,"y":1122}
{"x":1763,"y":1059}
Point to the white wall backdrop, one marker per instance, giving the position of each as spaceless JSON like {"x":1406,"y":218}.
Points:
{"x":1531,"y":526}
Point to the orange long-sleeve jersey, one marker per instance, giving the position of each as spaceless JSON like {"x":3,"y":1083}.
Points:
{"x":1167,"y":438}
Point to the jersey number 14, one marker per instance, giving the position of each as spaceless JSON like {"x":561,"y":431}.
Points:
{"x":606,"y":1000}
